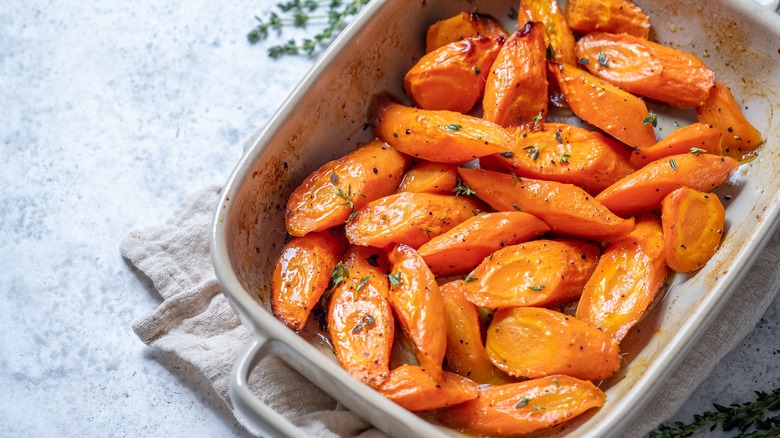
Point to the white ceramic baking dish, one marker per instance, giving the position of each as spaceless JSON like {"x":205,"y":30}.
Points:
{"x":326,"y":116}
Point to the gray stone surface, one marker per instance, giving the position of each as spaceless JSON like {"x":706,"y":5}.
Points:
{"x":110,"y":114}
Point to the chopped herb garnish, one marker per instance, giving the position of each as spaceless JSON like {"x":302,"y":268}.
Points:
{"x":555,"y":382}
{"x":334,"y":178}
{"x":523,"y":402}
{"x":697,"y":151}
{"x":357,"y":328}
{"x":533,"y":151}
{"x":550,"y":51}
{"x":372,"y":260}
{"x":652,"y":119}
{"x":603,"y":60}
{"x":452,"y":127}
{"x":538,"y":117}
{"x":363,"y":282}
{"x":673,"y":164}
{"x":349,"y":199}
{"x":559,"y":137}
{"x":507,"y":154}
{"x":395,"y":280}
{"x":462,"y":189}
{"x":583,"y":61}
{"x":340,"y":272}
{"x":351,"y":216}
{"x":469,"y":279}
{"x":516,"y":207}
{"x":565,"y":158}
{"x":538,"y":287}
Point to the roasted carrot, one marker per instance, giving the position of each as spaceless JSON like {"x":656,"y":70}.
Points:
{"x":538,"y":273}
{"x":524,"y":407}
{"x":516,"y":88}
{"x":567,"y":154}
{"x":360,"y":319}
{"x":462,"y":248}
{"x":696,"y":138}
{"x":416,"y":300}
{"x":534,"y":342}
{"x":693,"y":226}
{"x":302,"y":273}
{"x":430,"y":177}
{"x":453,"y":76}
{"x":613,"y":16}
{"x":332,"y":193}
{"x":646,"y":68}
{"x":410,"y":218}
{"x":441,"y":136}
{"x":628,"y":277}
{"x":413,"y":388}
{"x":565,"y":208}
{"x":605,"y":106}
{"x":558,"y":37}
{"x":465,"y":352}
{"x":644,"y":189}
{"x":722,"y":111}
{"x":460,"y":27}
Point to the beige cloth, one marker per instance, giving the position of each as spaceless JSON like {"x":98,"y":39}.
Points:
{"x":196,"y":323}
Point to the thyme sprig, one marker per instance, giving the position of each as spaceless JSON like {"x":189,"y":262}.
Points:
{"x":300,"y":13}
{"x":739,"y":417}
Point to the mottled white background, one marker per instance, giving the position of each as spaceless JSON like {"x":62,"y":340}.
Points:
{"x":110,"y":114}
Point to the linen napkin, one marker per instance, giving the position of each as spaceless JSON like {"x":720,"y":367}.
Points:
{"x":196,"y":323}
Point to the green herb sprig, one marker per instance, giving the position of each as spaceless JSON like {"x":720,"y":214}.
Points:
{"x":332,"y":14}
{"x":739,"y":417}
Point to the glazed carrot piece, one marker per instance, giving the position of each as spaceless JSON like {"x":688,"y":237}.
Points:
{"x":453,"y":76}
{"x":430,"y":177}
{"x":539,"y":273}
{"x":643,"y":190}
{"x":360,"y":319}
{"x":534,"y":342}
{"x":413,"y":388}
{"x":440,"y":136}
{"x":302,"y":273}
{"x":605,"y":106}
{"x":613,"y":16}
{"x":628,"y":277}
{"x":460,"y":27}
{"x":524,"y":407}
{"x":558,"y":38}
{"x":462,"y":248}
{"x":410,"y":218}
{"x":722,"y":111}
{"x":465,"y":353}
{"x":696,"y":138}
{"x":646,"y":68}
{"x":567,"y":154}
{"x":516,"y":88}
{"x":328,"y":196}
{"x":693,"y":226}
{"x":416,"y":300}
{"x":565,"y":208}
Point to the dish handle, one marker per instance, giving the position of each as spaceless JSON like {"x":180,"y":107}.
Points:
{"x":247,"y":405}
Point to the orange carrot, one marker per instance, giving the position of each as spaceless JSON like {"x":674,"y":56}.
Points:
{"x":693,"y":224}
{"x":430,"y":177}
{"x":410,"y":218}
{"x":302,"y":274}
{"x":646,"y":68}
{"x":416,"y":300}
{"x":328,"y":196}
{"x":558,"y":37}
{"x":605,"y":106}
{"x":628,"y":277}
{"x":722,"y":111}
{"x":697,"y":138}
{"x":643,"y":190}
{"x":534,"y":342}
{"x":441,"y":136}
{"x":413,"y":388}
{"x":360,"y":320}
{"x":516,"y":88}
{"x":613,"y":16}
{"x":524,"y":407}
{"x":460,"y":27}
{"x":465,"y":353}
{"x":462,"y":248}
{"x":453,"y":76}
{"x":567,"y":154}
{"x":538,"y":273}
{"x":565,"y":208}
